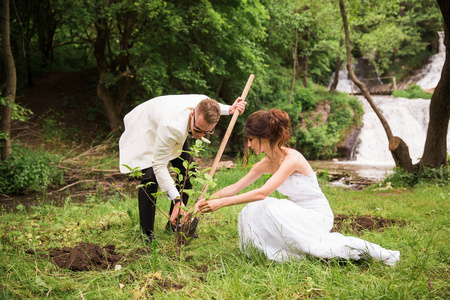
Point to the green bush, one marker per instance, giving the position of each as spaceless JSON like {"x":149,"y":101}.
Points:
{"x":342,"y":117}
{"x":343,"y":100}
{"x":294,"y":111}
{"x":29,"y":170}
{"x":412,"y":92}
{"x":317,"y":140}
{"x":306,"y":97}
{"x":402,"y":178}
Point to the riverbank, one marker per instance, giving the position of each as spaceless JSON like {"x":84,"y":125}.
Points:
{"x":340,"y":173}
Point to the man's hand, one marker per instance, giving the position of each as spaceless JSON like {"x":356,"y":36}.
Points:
{"x":188,"y":214}
{"x":177,"y":211}
{"x":238,"y":104}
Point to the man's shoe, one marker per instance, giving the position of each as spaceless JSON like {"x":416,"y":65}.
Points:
{"x":149,"y":238}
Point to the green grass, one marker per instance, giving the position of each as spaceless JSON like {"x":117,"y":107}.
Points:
{"x":413,"y":91}
{"x":213,"y":267}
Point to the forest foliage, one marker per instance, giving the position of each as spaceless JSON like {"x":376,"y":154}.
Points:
{"x":142,"y":49}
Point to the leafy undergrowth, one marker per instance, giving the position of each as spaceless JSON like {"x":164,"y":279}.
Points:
{"x":413,"y":91}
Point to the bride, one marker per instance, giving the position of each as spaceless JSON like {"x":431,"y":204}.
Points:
{"x":286,"y":228}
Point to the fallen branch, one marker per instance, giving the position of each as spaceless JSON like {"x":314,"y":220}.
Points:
{"x":90,"y":170}
{"x":72,"y":184}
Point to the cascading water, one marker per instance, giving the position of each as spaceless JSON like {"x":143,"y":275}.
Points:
{"x":431,"y":73}
{"x":345,"y":84}
{"x":408,"y":118}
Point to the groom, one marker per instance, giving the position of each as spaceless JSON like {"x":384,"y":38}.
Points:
{"x":155,"y":134}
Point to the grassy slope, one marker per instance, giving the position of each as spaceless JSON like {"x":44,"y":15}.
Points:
{"x":213,"y":267}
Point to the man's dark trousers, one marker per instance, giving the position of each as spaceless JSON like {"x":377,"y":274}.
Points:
{"x":147,"y":202}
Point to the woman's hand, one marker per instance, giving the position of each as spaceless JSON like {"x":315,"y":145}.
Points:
{"x":209,"y":206}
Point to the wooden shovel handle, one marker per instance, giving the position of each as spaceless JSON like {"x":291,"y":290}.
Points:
{"x":228,"y":132}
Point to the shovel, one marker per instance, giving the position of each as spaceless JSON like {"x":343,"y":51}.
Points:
{"x":188,"y":228}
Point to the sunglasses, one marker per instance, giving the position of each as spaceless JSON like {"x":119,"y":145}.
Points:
{"x":195,"y":128}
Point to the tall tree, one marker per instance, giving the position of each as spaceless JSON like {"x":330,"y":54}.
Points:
{"x":113,"y":28}
{"x":162,"y":47}
{"x":33,"y":30}
{"x":306,"y":51}
{"x":313,"y":28}
{"x":435,"y":151}
{"x":114,"y":74}
{"x":295,"y":67}
{"x":25,"y":18}
{"x":337,"y":68}
{"x":11,"y":81}
{"x":48,"y":20}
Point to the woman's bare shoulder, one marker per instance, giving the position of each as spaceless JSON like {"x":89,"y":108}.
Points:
{"x":297,"y":159}
{"x":294,"y":154}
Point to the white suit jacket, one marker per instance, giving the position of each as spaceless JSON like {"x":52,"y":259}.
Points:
{"x":155,"y":132}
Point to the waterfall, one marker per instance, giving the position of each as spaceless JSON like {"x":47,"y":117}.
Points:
{"x":345,"y":83}
{"x":378,"y":77}
{"x":431,"y":73}
{"x":427,"y":77}
{"x":408,"y":119}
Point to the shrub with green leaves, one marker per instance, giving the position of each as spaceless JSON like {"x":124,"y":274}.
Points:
{"x":28,"y":170}
{"x":314,"y":137}
{"x":306,"y":97}
{"x":401,"y":178}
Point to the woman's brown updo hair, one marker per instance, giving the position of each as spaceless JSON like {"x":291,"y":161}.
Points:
{"x":273,"y":125}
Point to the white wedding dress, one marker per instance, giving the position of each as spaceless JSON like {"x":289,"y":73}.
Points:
{"x":284,"y":229}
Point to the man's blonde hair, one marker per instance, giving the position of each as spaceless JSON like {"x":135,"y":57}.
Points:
{"x":210,"y":110}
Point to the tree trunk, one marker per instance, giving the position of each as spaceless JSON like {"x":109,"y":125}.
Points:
{"x":48,"y":22}
{"x":113,"y":91}
{"x":11,"y":80}
{"x":295,"y":58}
{"x":435,"y":151}
{"x":115,"y":123}
{"x":219,"y":86}
{"x":305,"y":59}
{"x":333,"y":86}
{"x":103,"y":92}
{"x":400,"y":152}
{"x":399,"y":149}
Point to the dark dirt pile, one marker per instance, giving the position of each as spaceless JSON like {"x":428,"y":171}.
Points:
{"x":85,"y":256}
{"x":88,"y":256}
{"x":356,"y":224}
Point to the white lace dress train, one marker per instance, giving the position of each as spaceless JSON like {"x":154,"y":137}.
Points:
{"x":284,"y":229}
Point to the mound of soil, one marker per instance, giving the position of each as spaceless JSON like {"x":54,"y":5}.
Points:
{"x":88,"y":256}
{"x":85,"y":256}
{"x":366,"y":222}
